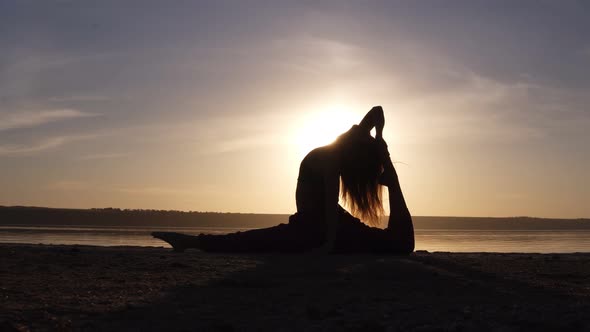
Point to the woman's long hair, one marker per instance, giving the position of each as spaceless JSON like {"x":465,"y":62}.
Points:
{"x":360,"y":169}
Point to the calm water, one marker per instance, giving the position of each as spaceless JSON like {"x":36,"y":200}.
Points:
{"x":540,"y":241}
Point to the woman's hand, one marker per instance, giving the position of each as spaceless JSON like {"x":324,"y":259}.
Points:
{"x":374,"y":119}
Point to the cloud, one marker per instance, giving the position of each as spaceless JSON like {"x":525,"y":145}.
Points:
{"x":245,"y":143}
{"x":46,"y":144}
{"x":33,"y":119}
{"x":75,"y":185}
{"x":67,"y":185}
{"x":103,"y":156}
{"x":40,"y":146}
{"x":155,"y":191}
{"x":313,"y":55}
{"x":79,"y":98}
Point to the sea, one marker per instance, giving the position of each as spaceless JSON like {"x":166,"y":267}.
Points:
{"x":432,"y":240}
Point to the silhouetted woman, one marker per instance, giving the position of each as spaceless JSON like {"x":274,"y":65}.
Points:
{"x":358,"y":164}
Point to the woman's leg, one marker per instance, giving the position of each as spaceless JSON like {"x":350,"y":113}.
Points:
{"x":297,"y":236}
{"x":179,"y":242}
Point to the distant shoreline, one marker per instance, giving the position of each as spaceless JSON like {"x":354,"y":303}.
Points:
{"x":165,"y":246}
{"x":38,"y":216}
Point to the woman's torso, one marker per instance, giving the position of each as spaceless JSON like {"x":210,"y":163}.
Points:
{"x":310,"y":193}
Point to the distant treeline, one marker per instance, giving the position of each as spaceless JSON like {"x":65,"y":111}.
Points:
{"x":18,"y":215}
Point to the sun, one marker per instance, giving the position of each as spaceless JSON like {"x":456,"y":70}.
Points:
{"x":323,"y":126}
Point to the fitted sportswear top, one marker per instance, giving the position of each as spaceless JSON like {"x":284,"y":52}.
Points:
{"x":310,"y":184}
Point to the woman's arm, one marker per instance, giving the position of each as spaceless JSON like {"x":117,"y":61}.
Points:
{"x":389,"y":175}
{"x":374,"y":118}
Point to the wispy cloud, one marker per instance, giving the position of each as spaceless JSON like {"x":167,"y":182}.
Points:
{"x":103,"y":156}
{"x":79,"y":98}
{"x":46,"y":144}
{"x":245,"y":143}
{"x":314,"y":55}
{"x":68,"y":185}
{"x":481,"y":108}
{"x":33,"y":119}
{"x":155,"y":191}
{"x":40,"y":146}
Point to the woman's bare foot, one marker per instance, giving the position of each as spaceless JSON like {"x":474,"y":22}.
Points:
{"x":179,"y":242}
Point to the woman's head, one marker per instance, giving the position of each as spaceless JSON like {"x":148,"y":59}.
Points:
{"x":360,"y":168}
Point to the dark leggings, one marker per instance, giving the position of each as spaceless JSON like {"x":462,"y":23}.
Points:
{"x":303,"y":233}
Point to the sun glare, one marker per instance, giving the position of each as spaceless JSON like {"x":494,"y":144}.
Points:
{"x":322,"y":127}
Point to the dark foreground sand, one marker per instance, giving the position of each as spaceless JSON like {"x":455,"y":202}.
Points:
{"x":128,"y":288}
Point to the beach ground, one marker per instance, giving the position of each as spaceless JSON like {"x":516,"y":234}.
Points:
{"x":153,"y":289}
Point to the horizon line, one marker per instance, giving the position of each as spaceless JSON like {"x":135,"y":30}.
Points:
{"x":264,"y":213}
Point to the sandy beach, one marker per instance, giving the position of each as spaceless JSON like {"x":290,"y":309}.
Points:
{"x":132,"y":288}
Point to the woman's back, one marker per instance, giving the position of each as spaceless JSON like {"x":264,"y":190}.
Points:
{"x":310,"y":193}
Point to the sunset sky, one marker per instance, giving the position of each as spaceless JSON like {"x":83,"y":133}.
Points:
{"x":210,"y":106}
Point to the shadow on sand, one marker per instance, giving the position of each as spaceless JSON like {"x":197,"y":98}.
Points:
{"x":152,"y":289}
{"x":360,"y":293}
